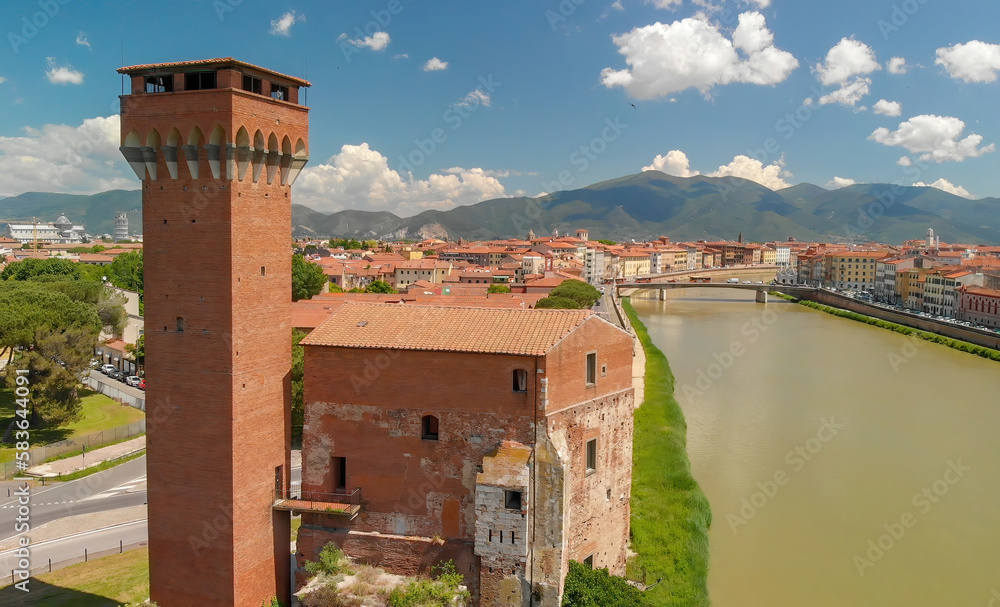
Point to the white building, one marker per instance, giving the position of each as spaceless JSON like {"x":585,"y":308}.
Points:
{"x":61,"y":231}
{"x":593,"y":266}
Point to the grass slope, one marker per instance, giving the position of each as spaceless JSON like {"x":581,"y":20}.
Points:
{"x":99,"y":413}
{"x":106,"y":582}
{"x":670,"y":513}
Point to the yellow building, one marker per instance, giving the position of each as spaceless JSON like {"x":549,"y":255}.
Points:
{"x":768,"y":256}
{"x":852,"y":270}
{"x":635,"y":263}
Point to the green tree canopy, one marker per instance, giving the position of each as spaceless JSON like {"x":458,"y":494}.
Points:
{"x":26,"y":308}
{"x":346,"y":243}
{"x":582,"y":293}
{"x":307,"y":278}
{"x":557,"y":303}
{"x":604,"y":241}
{"x":586,"y":587}
{"x":54,"y":366}
{"x":125,"y":272}
{"x":498,"y":288}
{"x":31,"y":268}
{"x":380,"y":286}
{"x":298,"y":407}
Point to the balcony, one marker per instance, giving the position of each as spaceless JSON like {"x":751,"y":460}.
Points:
{"x":335,"y":504}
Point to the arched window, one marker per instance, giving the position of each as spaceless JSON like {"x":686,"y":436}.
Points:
{"x":429,"y":427}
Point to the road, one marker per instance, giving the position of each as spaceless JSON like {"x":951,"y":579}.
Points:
{"x":73,"y":546}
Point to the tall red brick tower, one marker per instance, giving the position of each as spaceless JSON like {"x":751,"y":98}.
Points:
{"x":217,"y":144}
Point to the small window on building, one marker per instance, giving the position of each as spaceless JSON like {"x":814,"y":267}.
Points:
{"x":429,"y":430}
{"x":252,"y":84}
{"x":159,"y":84}
{"x":604,"y":370}
{"x":592,"y":368}
{"x":196,"y":81}
{"x":589,"y":561}
{"x":520,"y":380}
{"x":591,"y":455}
{"x":180,"y":324}
{"x":512,"y":500}
{"x":279,"y":92}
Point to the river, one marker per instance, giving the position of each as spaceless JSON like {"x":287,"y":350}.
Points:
{"x":846,"y":465}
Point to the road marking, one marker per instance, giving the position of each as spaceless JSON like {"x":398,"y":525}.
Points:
{"x":76,"y":535}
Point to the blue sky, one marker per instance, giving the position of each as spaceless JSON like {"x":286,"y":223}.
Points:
{"x":533,"y":96}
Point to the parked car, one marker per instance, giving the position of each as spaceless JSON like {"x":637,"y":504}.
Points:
{"x":133,"y":380}
{"x":117,"y":375}
{"x":108,"y":369}
{"x":142,"y":384}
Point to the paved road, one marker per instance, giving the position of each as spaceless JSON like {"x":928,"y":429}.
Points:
{"x":118,"y":487}
{"x":73,"y":546}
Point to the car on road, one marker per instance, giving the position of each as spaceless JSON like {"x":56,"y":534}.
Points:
{"x":118,"y":375}
{"x":142,"y":384}
{"x":133,"y":380}
{"x":107,"y":369}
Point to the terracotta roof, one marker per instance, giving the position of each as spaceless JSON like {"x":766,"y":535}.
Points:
{"x":446,"y":329}
{"x":217,"y":62}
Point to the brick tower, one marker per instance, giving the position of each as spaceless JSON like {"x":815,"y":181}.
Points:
{"x":217,"y":145}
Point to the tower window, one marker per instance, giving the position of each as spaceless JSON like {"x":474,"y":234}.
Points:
{"x":592,"y":456}
{"x":512,"y":500}
{"x":589,"y":561}
{"x":180,"y":324}
{"x":279,"y":92}
{"x":592,"y":368}
{"x":520,"y":380}
{"x":429,"y":427}
{"x":197,"y":81}
{"x":159,"y":84}
{"x":252,"y":84}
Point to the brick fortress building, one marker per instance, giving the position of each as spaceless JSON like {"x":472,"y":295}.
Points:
{"x":217,"y":145}
{"x":498,"y":438}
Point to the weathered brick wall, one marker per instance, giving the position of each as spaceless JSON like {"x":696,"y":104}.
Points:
{"x":217,"y":395}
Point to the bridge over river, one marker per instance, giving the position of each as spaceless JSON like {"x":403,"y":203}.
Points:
{"x":760,"y":289}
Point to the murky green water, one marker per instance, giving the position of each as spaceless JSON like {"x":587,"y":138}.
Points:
{"x":846,"y":465}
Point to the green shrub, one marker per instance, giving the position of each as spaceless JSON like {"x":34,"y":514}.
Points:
{"x":331,"y":561}
{"x":438,"y":592}
{"x":586,"y":587}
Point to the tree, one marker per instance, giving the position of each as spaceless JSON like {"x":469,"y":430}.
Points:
{"x":307,"y":278}
{"x":557,"y":303}
{"x":604,"y":241}
{"x":31,"y":268}
{"x":380,"y":286}
{"x":26,"y":308}
{"x":137,"y":351}
{"x":586,"y":587}
{"x":298,"y":406}
{"x":498,"y":288}
{"x":125,"y":272}
{"x":54,"y":366}
{"x":577,"y":290}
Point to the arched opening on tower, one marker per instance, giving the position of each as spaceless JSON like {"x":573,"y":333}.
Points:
{"x":131,"y":149}
{"x":273,"y":157}
{"x":257,"y":157}
{"x":191,"y":151}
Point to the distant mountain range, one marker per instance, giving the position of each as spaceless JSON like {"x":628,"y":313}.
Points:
{"x":641,"y":207}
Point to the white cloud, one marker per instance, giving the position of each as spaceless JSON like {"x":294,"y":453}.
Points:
{"x":667,"y":4}
{"x":897,"y":65}
{"x":904,"y":161}
{"x":401,"y":56}
{"x":888,"y":108}
{"x":973,"y":61}
{"x":934,"y":138}
{"x":498,"y":173}
{"x":693,"y":53}
{"x":81,"y":159}
{"x":839,"y":182}
{"x":360,"y":178}
{"x":377,"y":41}
{"x":282,"y":26}
{"x":946,"y":186}
{"x":675,"y":163}
{"x":617,"y":5}
{"x":771,"y":176}
{"x":848,"y":94}
{"x":475,"y":98}
{"x":434,"y":65}
{"x":847,"y":59}
{"x":81,"y":39}
{"x":62,"y":74}
{"x":2,"y":80}
{"x":761,"y":3}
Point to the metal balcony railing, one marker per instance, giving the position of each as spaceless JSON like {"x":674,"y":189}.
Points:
{"x":336,"y":504}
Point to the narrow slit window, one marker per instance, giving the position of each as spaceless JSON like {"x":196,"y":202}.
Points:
{"x":180,"y":324}
{"x":591,"y":455}
{"x":520,"y":380}
{"x":592,"y":368}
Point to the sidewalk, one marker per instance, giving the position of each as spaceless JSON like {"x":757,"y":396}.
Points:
{"x":88,"y":459}
{"x":76,"y":524}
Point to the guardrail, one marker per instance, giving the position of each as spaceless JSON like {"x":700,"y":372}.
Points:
{"x":86,"y":556}
{"x":90,"y":441}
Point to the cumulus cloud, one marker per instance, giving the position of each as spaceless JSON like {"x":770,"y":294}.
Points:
{"x":761,"y":3}
{"x":904,"y":161}
{"x":81,"y":159}
{"x":376,"y":42}
{"x":675,"y":163}
{"x":694,"y":53}
{"x":435,"y":65}
{"x":888,"y":108}
{"x":845,"y":65}
{"x":946,"y":186}
{"x":667,"y":4}
{"x":282,"y":26}
{"x":62,"y":74}
{"x":839,"y":182}
{"x":475,"y":98}
{"x":897,"y":65}
{"x":81,"y":39}
{"x":935,"y":138}
{"x":973,"y":61}
{"x":849,"y":93}
{"x":771,"y":176}
{"x":360,"y":178}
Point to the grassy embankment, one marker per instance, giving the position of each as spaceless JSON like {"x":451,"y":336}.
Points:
{"x":106,"y":582}
{"x":670,"y":513}
{"x":957,"y":344}
{"x":99,"y":413}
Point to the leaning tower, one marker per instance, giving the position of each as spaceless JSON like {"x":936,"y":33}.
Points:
{"x":217,"y":145}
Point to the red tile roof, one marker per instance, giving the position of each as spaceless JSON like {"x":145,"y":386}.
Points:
{"x":446,"y":329}
{"x":217,"y":62}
